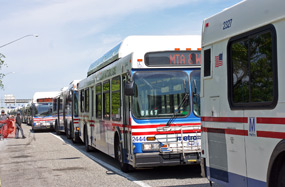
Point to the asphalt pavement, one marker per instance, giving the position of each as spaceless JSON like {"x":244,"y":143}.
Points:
{"x":47,"y":159}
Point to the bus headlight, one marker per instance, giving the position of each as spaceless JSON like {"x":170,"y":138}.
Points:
{"x":151,"y":146}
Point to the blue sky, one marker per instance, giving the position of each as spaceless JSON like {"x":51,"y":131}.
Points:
{"x":73,"y":34}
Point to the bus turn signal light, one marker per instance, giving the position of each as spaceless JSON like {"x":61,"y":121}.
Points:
{"x":152,"y":138}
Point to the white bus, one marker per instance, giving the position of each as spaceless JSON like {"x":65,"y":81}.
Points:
{"x":58,"y":107}
{"x":140,"y":102}
{"x":242,"y":99}
{"x":66,"y":110}
{"x":41,"y":108}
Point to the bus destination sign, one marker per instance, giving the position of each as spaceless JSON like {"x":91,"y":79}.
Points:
{"x":44,"y":100}
{"x":173,"y":58}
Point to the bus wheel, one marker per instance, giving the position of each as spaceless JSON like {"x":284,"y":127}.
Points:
{"x":119,"y":156}
{"x":72,"y":134}
{"x":56,"y":128}
{"x":86,"y":141}
{"x":67,"y":132}
{"x":33,"y":129}
{"x":281,"y":178}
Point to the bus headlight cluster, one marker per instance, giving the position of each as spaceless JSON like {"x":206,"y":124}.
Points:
{"x":151,"y":146}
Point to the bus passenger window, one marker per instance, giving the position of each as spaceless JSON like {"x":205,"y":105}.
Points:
{"x":116,"y":99}
{"x":252,"y":66}
{"x":86,"y":100}
{"x":82,"y":101}
{"x":99,"y":101}
{"x":207,"y":63}
{"x":75,"y":106}
{"x":92,"y":102}
{"x":106,"y":100}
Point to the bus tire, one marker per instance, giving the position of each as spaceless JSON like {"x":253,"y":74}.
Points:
{"x":86,"y":140}
{"x":119,"y":155}
{"x":72,"y":134}
{"x":33,"y":129}
{"x":281,"y":178}
{"x":56,"y":128}
{"x":67,"y":131}
{"x":276,"y":168}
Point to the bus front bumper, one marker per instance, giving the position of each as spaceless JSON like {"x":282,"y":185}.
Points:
{"x":43,"y":126}
{"x":168,"y":159}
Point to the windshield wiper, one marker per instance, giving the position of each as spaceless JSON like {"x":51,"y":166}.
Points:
{"x":185,"y":98}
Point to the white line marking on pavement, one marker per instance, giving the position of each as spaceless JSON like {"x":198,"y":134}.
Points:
{"x":58,"y":137}
{"x":110,"y":167}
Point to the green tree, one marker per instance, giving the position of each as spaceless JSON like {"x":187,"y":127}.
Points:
{"x":2,"y":75}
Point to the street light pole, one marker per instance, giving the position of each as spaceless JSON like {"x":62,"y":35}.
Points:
{"x":34,"y":35}
{"x":12,"y":72}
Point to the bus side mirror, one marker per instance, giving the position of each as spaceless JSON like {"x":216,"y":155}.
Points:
{"x":129,"y":88}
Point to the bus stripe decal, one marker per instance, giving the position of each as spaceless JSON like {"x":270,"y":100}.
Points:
{"x":262,"y":134}
{"x":270,"y":134}
{"x":225,"y":119}
{"x":226,"y":131}
{"x":280,"y":121}
{"x":164,"y":132}
{"x":163,"y":125}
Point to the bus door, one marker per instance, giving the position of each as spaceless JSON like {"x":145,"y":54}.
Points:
{"x":127,"y":134}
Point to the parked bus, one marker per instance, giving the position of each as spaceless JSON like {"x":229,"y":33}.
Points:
{"x":242,"y":99}
{"x":58,"y":103}
{"x":67,"y":112}
{"x":41,"y":111}
{"x":140,"y":102}
{"x":29,"y":116}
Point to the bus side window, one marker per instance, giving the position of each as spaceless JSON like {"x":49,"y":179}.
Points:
{"x":253,"y":69}
{"x":106,"y":100}
{"x":92,"y":101}
{"x":86,"y":101}
{"x":207,"y":63}
{"x":99,"y":101}
{"x":82,"y":100}
{"x":116,"y":98}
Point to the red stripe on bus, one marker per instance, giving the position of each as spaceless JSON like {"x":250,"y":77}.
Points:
{"x":164,"y":132}
{"x":237,"y":132}
{"x":163,"y":125}
{"x":225,"y":119}
{"x":43,"y":119}
{"x":270,"y":134}
{"x":226,"y":131}
{"x":280,"y":121}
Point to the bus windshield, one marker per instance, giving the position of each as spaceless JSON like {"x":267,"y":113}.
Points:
{"x":195,"y":87}
{"x":158,"y":94}
{"x":43,"y":109}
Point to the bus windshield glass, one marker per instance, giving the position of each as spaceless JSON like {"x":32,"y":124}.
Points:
{"x":43,"y":109}
{"x":159,"y":94}
{"x":195,"y":87}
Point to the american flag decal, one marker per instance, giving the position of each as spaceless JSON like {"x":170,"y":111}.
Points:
{"x":219,"y":60}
